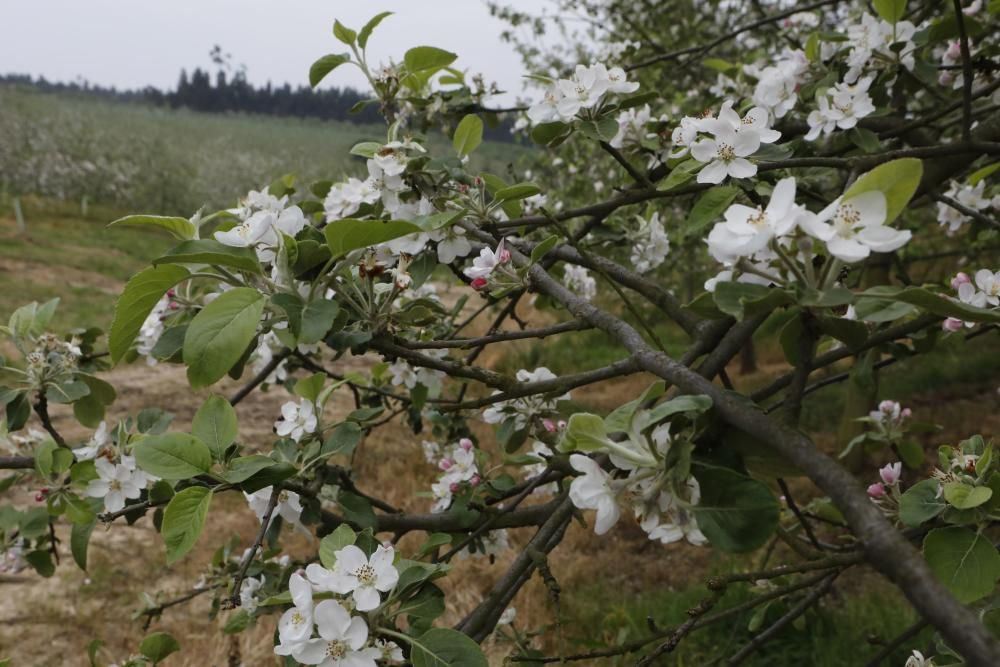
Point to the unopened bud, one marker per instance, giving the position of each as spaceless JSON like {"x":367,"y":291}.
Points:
{"x":876,"y":490}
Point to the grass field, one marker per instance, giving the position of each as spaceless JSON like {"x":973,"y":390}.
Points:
{"x":174,"y":161}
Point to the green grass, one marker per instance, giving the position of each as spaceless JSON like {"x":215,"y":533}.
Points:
{"x":159,"y":160}
{"x":834,"y":634}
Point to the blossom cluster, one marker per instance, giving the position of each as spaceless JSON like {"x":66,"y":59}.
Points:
{"x":458,"y":467}
{"x":724,"y":142}
{"x":584,"y":90}
{"x":980,"y":291}
{"x":330,"y":633}
{"x":524,"y":410}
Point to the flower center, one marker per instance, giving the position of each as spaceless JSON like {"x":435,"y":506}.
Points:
{"x":847,"y":217}
{"x":727,"y":152}
{"x":365,"y":575}
{"x":336,"y":649}
{"x":759,"y":219}
{"x":115,"y":485}
{"x":298,"y":619}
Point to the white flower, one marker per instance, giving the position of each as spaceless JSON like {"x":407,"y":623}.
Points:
{"x":675,"y":522}
{"x":461,"y":465}
{"x":441,"y":490}
{"x":988,"y":293}
{"x":631,"y":126}
{"x":451,"y":244}
{"x":579,"y":280}
{"x":583,"y":90}
{"x":756,"y":120}
{"x":432,"y":451}
{"x":650,"y":244}
{"x":593,"y":490}
{"x":151,"y":330}
{"x":248,"y":593}
{"x":726,"y":154}
{"x":918,"y":660}
{"x":296,"y":624}
{"x":487,"y":262}
{"x":840,"y":107}
{"x":748,"y":230}
{"x":342,"y":642}
{"x":289,"y":506}
{"x":853,"y":228}
{"x":297,"y":419}
{"x":389,"y":652}
{"x":683,"y":136}
{"x":523,"y":409}
{"x":777,"y":84}
{"x":116,"y":482}
{"x":547,"y":110}
{"x":967,"y":195}
{"x":344,"y":199}
{"x":617,"y":79}
{"x":508,"y":616}
{"x":249,"y":233}
{"x":97,"y":442}
{"x":403,"y":374}
{"x":355,"y":573}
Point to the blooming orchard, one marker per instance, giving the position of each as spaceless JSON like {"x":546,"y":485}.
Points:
{"x":784,"y":185}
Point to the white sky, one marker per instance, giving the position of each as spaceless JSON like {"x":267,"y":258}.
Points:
{"x":134,"y":43}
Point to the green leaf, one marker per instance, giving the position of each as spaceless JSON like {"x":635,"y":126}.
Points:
{"x":210,"y":251}
{"x":966,"y":497}
{"x":237,"y":623}
{"x":539,"y":250}
{"x":708,"y":208}
{"x":679,"y":175}
{"x":516,"y":191}
{"x":183,"y":521}
{"x":158,"y":646}
{"x":584,"y":432}
{"x":181,"y":228}
{"x":980,"y":174}
{"x":747,"y":299}
{"x":421,"y":58}
{"x":343,"y":536}
{"x":343,"y":33}
{"x":864,"y":139}
{"x":966,"y":563}
{"x":736,"y":513}
{"x":317,"y":318}
{"x":343,"y":236}
{"x":444,"y":647}
{"x":215,"y":425}
{"x":173,"y":456}
{"x":89,"y":410}
{"x":468,"y":135}
{"x":371,"y":25}
{"x":325,"y":65}
{"x":920,"y":503}
{"x":343,"y":440}
{"x":141,"y":294}
{"x":220,"y":333}
{"x":79,"y":540}
{"x":897,"y":180}
{"x":41,"y":561}
{"x":548,"y":133}
{"x":244,"y":467}
{"x":933,"y":303}
{"x":890,"y":10}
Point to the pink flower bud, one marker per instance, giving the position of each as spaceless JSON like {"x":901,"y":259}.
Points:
{"x":960,"y":279}
{"x":171,"y":292}
{"x":954,"y":50}
{"x":465,"y":444}
{"x":951,"y":324}
{"x":876,"y":490}
{"x":173,"y":305}
{"x":906,"y":413}
{"x":453,"y":487}
{"x":503,"y":256}
{"x":478,"y":283}
{"x":445,"y":464}
{"x":478,"y":181}
{"x":549,"y":425}
{"x":890,"y":473}
{"x":475,"y":480}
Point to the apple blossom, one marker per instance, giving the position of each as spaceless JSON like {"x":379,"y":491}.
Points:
{"x":116,"y":482}
{"x":296,"y":624}
{"x":593,"y":490}
{"x":725,"y":154}
{"x":854,"y":228}
{"x":746,"y":230}
{"x":297,"y":420}
{"x":342,"y":639}
{"x":890,"y":473}
{"x":358,"y":574}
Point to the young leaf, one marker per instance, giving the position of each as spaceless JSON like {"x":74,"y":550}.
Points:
{"x":343,"y":236}
{"x":173,"y":456}
{"x":141,"y":294}
{"x":736,"y":513}
{"x":343,"y":33}
{"x":921,"y":502}
{"x":210,"y":251}
{"x":371,"y":25}
{"x":444,"y":647}
{"x":343,"y":536}
{"x":539,"y":250}
{"x":215,"y":425}
{"x":421,"y":58}
{"x":325,"y":65}
{"x":158,"y":646}
{"x":468,"y":135}
{"x":890,"y":10}
{"x":219,"y":335}
{"x":181,"y":228}
{"x":708,"y":208}
{"x":183,"y":521}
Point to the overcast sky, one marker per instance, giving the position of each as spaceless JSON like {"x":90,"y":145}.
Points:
{"x":134,"y":43}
